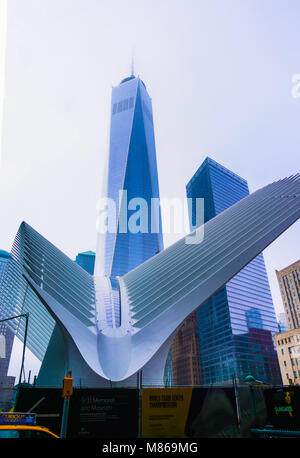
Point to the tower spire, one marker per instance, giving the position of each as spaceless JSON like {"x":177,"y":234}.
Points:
{"x":132,"y":65}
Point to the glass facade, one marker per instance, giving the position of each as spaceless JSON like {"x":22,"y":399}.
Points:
{"x":4,"y":329}
{"x":132,"y":169}
{"x":237,"y":324}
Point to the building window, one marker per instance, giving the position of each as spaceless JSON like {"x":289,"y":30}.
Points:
{"x":282,"y":351}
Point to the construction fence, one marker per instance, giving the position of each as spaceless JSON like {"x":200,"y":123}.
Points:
{"x":149,"y":412}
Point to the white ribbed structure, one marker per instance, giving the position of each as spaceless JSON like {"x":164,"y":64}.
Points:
{"x":155,"y":297}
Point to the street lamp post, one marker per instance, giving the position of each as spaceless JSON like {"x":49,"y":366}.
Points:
{"x":251,"y":380}
{"x":66,"y":394}
{"x":26,"y":316}
{"x":237,"y":402}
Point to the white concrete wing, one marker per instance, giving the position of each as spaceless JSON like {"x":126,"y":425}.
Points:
{"x":155,"y":297}
{"x":164,"y":290}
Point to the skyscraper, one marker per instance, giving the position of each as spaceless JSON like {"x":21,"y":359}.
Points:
{"x":4,"y":329}
{"x":131,"y":174}
{"x":289,"y":284}
{"x":132,"y":168}
{"x":237,"y":324}
{"x":6,"y":342}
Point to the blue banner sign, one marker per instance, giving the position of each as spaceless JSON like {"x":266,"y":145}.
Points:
{"x":17,"y":418}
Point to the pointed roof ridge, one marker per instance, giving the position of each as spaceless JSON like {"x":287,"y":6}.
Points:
{"x":208,"y":160}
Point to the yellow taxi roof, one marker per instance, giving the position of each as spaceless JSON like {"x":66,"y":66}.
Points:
{"x":25,"y":427}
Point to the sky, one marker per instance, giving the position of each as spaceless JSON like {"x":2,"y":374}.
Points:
{"x":219,"y":73}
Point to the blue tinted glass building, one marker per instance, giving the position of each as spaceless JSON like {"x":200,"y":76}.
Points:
{"x":237,"y":324}
{"x":132,"y":168}
{"x":4,"y":329}
{"x":86,"y":260}
{"x":132,"y":174}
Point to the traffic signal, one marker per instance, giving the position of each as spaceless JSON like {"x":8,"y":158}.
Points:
{"x":67,"y":386}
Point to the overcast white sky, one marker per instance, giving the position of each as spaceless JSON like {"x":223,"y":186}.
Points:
{"x":219,"y":73}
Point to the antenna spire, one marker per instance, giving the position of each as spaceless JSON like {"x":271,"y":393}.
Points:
{"x":132,"y":66}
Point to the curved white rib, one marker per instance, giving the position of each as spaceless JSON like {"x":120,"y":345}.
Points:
{"x":159,"y":294}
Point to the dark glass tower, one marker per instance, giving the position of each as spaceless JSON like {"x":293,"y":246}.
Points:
{"x":237,"y":324}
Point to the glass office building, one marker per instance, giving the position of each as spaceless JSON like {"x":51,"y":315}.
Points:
{"x":8,"y":336}
{"x":132,"y":174}
{"x":237,"y":324}
{"x":132,"y":168}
